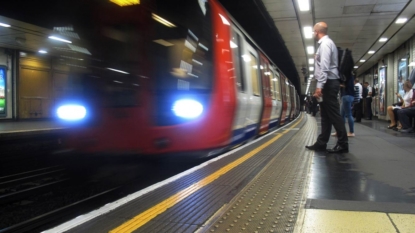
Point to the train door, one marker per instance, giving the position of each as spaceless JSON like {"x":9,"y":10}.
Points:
{"x":276,"y":98}
{"x":245,"y":61}
{"x":288,"y":97}
{"x":284,"y":99}
{"x":242,"y":108}
{"x":254,"y":99}
{"x":266,"y":95}
{"x":293,"y":103}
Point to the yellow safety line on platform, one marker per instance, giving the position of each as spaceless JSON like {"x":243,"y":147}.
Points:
{"x":151,"y":213}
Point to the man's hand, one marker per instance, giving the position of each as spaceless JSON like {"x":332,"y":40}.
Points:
{"x":318,"y":93}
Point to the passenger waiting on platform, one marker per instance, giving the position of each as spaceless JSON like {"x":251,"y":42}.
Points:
{"x":327,"y":89}
{"x":357,"y":104}
{"x":347,"y":98}
{"x":368,"y":101}
{"x":405,"y":116}
{"x":404,"y":102}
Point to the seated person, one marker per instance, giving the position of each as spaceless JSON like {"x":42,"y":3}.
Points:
{"x":406,"y":102}
{"x":405,"y":117}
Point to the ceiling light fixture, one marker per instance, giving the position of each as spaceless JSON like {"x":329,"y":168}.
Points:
{"x":401,"y":20}
{"x":304,"y":5}
{"x":310,"y":49}
{"x":126,"y":2}
{"x":383,"y":39}
{"x":311,"y":61}
{"x":371,"y":52}
{"x":362,"y":60}
{"x":308,"y":32}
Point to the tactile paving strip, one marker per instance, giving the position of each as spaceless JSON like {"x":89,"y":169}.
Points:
{"x":270,"y":203}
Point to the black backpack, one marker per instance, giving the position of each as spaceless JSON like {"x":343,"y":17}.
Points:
{"x":345,"y":64}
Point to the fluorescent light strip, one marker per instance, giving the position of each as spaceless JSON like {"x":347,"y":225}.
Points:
{"x":119,"y":71}
{"x":162,"y":21}
{"x":371,"y":52}
{"x":60,"y":39}
{"x":4,"y":25}
{"x":383,"y":39}
{"x":203,"y":47}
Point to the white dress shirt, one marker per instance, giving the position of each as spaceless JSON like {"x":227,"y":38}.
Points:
{"x":326,"y":61}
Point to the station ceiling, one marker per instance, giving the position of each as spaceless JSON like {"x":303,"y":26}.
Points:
{"x":278,"y":27}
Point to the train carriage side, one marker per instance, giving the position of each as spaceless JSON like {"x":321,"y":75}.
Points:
{"x":266,"y":94}
{"x":276,"y":98}
{"x":207,"y":62}
{"x":288,"y":98}
{"x":284,"y":99}
{"x":293,"y":102}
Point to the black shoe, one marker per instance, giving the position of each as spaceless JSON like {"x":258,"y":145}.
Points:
{"x":339,"y":149}
{"x":317,"y":147}
{"x":358,"y":121}
{"x":369,"y":119}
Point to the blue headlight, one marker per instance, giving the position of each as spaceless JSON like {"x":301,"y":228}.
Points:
{"x":71,"y":112}
{"x":187,"y":108}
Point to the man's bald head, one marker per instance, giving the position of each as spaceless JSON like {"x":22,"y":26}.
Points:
{"x":320,"y":30}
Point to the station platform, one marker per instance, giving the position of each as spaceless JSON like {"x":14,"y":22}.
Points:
{"x":15,"y":129}
{"x":275,"y":184}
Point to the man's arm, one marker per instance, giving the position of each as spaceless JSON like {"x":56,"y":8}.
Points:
{"x":325,"y":56}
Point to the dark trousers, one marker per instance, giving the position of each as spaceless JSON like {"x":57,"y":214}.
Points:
{"x":357,"y":110}
{"x":368,"y":112}
{"x":330,"y":114}
{"x":405,"y":116}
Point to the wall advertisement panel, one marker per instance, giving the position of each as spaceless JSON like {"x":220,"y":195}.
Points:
{"x":382,"y":88}
{"x":402,"y":75}
{"x":3,"y":101}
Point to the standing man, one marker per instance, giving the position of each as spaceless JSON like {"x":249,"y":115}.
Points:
{"x":328,"y":86}
{"x":358,"y":100}
{"x":368,"y":111}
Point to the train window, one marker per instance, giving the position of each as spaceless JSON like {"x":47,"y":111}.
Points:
{"x":109,"y":92}
{"x":254,"y":75}
{"x":236,"y":46}
{"x":183,"y":54}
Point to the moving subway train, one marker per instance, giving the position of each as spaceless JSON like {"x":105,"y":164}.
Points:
{"x":173,"y":76}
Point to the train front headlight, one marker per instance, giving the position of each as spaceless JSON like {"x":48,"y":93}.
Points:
{"x":187,"y":108}
{"x":71,"y":112}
